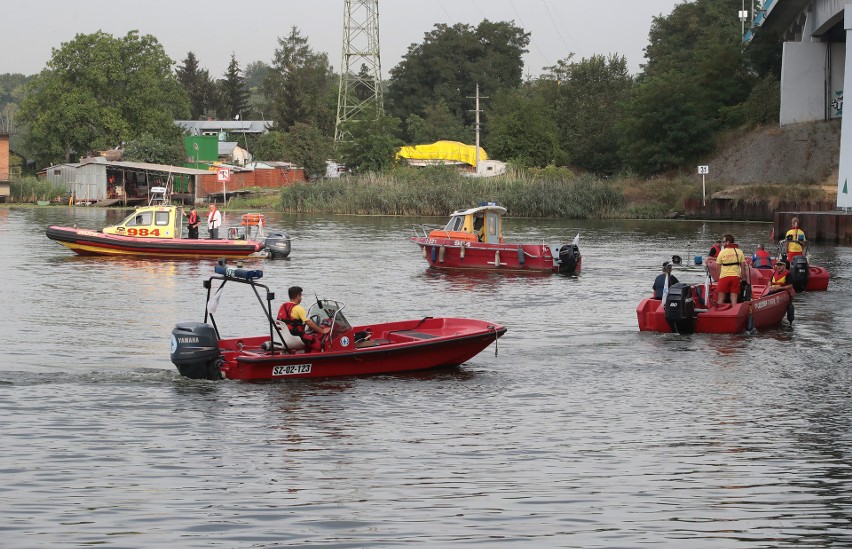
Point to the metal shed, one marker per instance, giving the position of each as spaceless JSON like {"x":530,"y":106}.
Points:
{"x":98,"y":180}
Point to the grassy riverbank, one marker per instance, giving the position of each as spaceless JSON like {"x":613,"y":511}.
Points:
{"x":550,"y":193}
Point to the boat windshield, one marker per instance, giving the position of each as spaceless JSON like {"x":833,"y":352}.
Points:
{"x":456,"y":223}
{"x":326,"y":312}
{"x":138,"y":219}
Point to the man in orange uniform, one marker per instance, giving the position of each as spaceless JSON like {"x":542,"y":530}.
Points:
{"x":731,"y":262}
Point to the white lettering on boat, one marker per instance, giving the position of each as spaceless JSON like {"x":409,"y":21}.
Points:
{"x":291,"y":369}
{"x":188,"y":340}
{"x":764,"y":304}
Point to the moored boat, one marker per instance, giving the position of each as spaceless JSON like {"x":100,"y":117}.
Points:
{"x":156,"y":231}
{"x":473,"y":239}
{"x":199,"y":352}
{"x":685,"y":309}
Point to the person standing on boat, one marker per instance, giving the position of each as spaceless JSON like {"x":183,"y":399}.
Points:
{"x":731,"y":262}
{"x":761,"y":258}
{"x":795,"y":240}
{"x":296,"y":318}
{"x":192,"y":222}
{"x":214,"y":221}
{"x":660,"y":283}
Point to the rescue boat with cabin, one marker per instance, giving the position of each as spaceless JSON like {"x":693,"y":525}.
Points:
{"x":685,"y":310}
{"x":156,"y":231}
{"x":473,"y":239}
{"x":199,"y":351}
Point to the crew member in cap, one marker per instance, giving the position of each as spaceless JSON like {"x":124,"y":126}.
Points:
{"x":660,"y":281}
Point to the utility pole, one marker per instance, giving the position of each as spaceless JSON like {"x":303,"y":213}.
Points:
{"x":477,"y":110}
{"x":359,"y":95}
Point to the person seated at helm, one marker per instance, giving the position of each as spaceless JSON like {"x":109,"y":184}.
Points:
{"x":717,"y":247}
{"x":296,"y":318}
{"x":479,"y":226}
{"x":779,"y":280}
{"x":761,"y":258}
{"x":660,"y":282}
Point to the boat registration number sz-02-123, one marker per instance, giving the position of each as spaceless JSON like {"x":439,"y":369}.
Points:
{"x":291,"y":369}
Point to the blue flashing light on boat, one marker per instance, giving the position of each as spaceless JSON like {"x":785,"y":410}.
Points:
{"x":244,"y":274}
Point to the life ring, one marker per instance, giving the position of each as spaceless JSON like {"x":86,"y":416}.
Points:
{"x":252,"y":220}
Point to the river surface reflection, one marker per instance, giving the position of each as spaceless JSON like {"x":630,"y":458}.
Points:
{"x":581,"y":432}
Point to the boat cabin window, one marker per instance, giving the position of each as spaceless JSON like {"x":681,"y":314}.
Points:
{"x":161,"y":219}
{"x":456,"y":223}
{"x":140,"y":219}
{"x":492,"y":227}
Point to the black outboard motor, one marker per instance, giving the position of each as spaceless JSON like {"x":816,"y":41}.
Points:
{"x":195,"y":351}
{"x":680,"y":309}
{"x":799,"y":273}
{"x":277,"y":244}
{"x":569,"y":259}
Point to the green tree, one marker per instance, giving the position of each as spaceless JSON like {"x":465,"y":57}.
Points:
{"x":309,"y":148}
{"x":147,"y":148}
{"x":98,"y":92}
{"x":436,"y":123}
{"x":255,"y":74}
{"x":269,"y":146}
{"x":450,"y":62}
{"x":522,"y":130}
{"x":373,"y":146}
{"x":694,"y":54}
{"x":300,"y":86}
{"x":586,"y":98}
{"x":234,"y":92}
{"x":199,"y":87}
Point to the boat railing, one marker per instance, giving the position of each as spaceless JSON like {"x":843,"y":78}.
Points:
{"x":418,"y":228}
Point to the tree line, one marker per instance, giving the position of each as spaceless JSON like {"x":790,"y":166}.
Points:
{"x":99,"y":92}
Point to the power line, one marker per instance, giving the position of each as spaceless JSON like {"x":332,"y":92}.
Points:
{"x":544,"y":55}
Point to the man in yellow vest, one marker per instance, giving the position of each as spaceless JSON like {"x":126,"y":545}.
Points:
{"x":795,"y":240}
{"x":731,"y":262}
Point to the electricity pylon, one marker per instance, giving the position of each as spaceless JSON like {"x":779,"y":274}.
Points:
{"x":359,"y":96}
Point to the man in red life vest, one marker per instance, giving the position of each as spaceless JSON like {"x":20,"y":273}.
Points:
{"x":214,"y":221}
{"x":731,"y":261}
{"x":296,"y":318}
{"x":192,"y":222}
{"x":779,"y":275}
{"x":761,"y":258}
{"x":714,"y":251}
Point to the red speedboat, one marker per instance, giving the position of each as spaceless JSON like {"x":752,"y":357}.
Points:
{"x":198,"y":351}
{"x":473,"y":239}
{"x":684,"y":310}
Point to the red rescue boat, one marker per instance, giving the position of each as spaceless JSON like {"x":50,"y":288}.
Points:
{"x":198,"y":351}
{"x":802,"y":275}
{"x":685,"y":309}
{"x":473,"y":239}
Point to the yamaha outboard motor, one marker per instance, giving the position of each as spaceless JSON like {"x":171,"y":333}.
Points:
{"x":799,"y":273}
{"x":278,"y":245}
{"x":569,"y":259}
{"x":195,"y":350}
{"x":680,"y":309}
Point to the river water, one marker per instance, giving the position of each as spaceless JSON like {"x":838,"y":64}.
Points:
{"x":580,"y":432}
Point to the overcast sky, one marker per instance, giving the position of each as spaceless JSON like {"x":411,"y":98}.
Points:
{"x":250,"y":29}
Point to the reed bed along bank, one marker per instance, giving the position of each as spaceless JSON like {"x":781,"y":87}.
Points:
{"x":32,"y":189}
{"x":439,"y":191}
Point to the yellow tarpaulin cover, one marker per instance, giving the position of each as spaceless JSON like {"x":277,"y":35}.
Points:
{"x":443,"y":150}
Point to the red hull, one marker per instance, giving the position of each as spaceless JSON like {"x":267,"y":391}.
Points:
{"x":817,"y":278}
{"x":766,"y":311}
{"x":443,"y":253}
{"x":394,"y":347}
{"x":89,"y":242}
